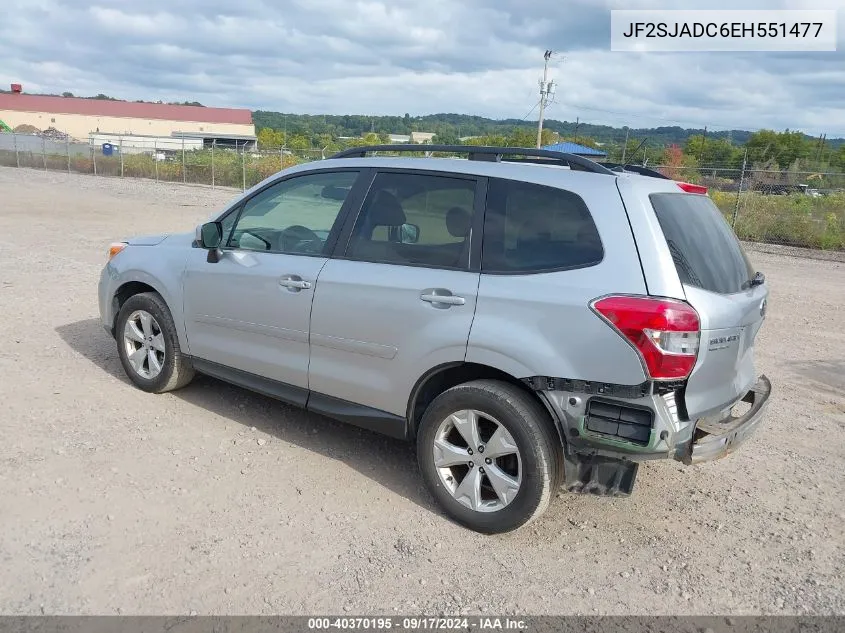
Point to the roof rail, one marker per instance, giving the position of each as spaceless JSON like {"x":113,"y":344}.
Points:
{"x":485,"y":153}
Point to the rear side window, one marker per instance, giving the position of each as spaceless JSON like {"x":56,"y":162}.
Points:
{"x":703,"y":246}
{"x":531,"y":228}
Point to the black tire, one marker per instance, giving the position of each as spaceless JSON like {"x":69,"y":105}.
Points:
{"x":176,"y":370}
{"x":531,"y":429}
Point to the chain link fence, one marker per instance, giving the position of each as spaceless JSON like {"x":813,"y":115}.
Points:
{"x":236,"y":165}
{"x":787,"y":207}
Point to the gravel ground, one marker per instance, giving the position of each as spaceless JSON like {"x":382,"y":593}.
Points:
{"x":216,"y":500}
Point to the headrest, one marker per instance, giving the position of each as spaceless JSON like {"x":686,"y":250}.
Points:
{"x":385,"y":210}
{"x":458,"y":222}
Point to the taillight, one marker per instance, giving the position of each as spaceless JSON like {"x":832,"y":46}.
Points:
{"x":665,"y":332}
{"x":691,"y":188}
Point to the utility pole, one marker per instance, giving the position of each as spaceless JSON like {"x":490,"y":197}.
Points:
{"x":739,"y":189}
{"x":625,"y":147}
{"x":547,"y":90}
{"x":819,"y":152}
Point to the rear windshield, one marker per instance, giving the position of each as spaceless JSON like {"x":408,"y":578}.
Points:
{"x":703,"y":246}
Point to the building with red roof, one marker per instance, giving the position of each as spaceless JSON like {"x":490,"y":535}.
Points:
{"x":80,"y":118}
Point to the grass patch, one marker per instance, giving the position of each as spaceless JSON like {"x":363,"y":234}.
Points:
{"x":796,"y":219}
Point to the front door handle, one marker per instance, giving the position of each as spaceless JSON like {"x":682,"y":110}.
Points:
{"x":441,"y":298}
{"x":294,"y":283}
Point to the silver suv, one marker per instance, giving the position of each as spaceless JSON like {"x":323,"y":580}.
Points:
{"x":530,"y":319}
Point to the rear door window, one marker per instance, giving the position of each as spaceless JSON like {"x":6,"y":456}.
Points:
{"x":532,"y":228}
{"x":705,"y":250}
{"x":415,"y":219}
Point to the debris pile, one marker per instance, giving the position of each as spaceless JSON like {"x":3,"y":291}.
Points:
{"x":54,"y":134}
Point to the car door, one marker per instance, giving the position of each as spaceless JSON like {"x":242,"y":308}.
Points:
{"x":250,"y":310}
{"x":399,"y":297}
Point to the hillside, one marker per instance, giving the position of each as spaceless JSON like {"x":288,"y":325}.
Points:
{"x":449,"y":127}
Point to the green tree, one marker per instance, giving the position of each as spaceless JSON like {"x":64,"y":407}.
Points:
{"x":586,"y":141}
{"x":270,"y":139}
{"x":298,"y":142}
{"x":497,"y":140}
{"x":445,"y":136}
{"x":370,"y":138}
{"x":631,"y":153}
{"x":521,"y":137}
{"x":839,"y":158}
{"x":713,"y":152}
{"x":325,"y":140}
{"x":784,"y":148}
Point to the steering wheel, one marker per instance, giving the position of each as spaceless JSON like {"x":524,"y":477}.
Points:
{"x":296,"y":236}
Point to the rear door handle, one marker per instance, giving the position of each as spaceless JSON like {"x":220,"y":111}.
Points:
{"x":294,"y":282}
{"x":441,"y":298}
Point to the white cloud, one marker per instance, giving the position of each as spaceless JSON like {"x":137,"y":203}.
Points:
{"x":397,"y":56}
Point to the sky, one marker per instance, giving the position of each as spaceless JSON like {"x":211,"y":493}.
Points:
{"x":481,"y":57}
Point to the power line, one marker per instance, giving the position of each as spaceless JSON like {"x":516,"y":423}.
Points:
{"x":530,"y":111}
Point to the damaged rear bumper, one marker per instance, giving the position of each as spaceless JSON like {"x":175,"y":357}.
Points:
{"x":716,"y":438}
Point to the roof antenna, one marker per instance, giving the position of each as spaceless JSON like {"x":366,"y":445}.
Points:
{"x":634,"y":153}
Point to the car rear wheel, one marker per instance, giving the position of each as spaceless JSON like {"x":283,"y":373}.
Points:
{"x":489,"y":455}
{"x":148,"y":345}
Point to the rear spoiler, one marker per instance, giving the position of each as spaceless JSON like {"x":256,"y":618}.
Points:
{"x":691,"y":188}
{"x":652,"y":173}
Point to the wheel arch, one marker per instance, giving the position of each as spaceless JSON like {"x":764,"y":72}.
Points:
{"x":130,"y":289}
{"x":447,"y":375}
{"x":175,"y":368}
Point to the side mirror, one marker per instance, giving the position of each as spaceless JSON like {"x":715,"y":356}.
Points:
{"x":210,"y":237}
{"x":409,"y":233}
{"x":211,"y":234}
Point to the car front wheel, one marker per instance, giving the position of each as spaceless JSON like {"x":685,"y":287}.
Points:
{"x":489,"y":455}
{"x":148,"y":345}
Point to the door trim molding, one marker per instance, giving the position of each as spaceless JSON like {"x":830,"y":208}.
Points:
{"x":358,"y":415}
{"x":387,"y":352}
{"x":283,"y":333}
{"x":259,"y":384}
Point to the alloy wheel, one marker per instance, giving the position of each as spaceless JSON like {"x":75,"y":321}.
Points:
{"x":144,"y":344}
{"x":477,"y":460}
